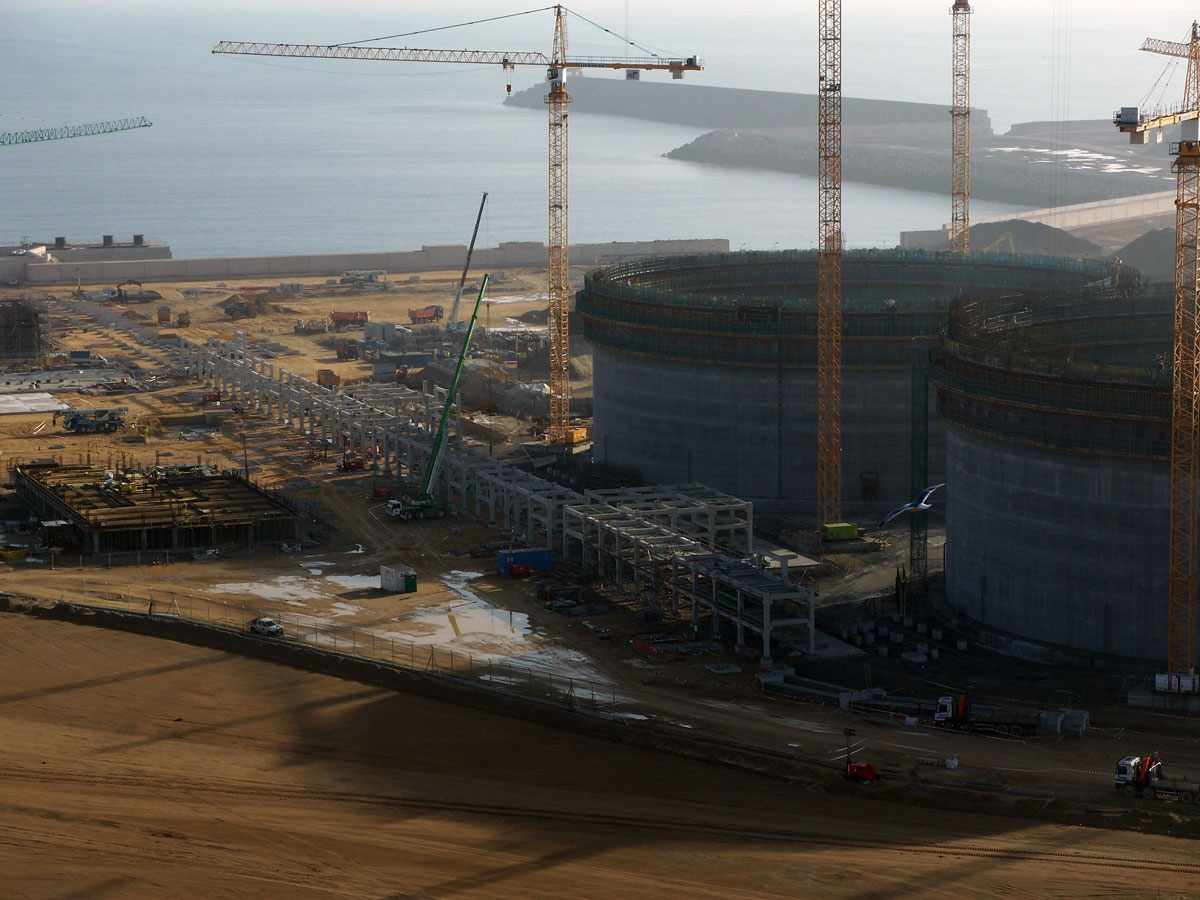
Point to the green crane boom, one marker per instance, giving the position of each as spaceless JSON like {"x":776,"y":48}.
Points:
{"x":70,"y":131}
{"x":435,"y":457}
{"x":424,"y":505}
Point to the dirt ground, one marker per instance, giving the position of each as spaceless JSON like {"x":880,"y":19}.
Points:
{"x":278,"y":783}
{"x":136,"y":767}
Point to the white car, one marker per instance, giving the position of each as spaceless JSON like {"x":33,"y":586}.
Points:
{"x":267,"y":626}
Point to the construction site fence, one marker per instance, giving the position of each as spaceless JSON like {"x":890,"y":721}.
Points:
{"x":381,"y":648}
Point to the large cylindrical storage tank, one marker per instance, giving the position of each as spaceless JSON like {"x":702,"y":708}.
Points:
{"x":705,"y":366}
{"x":1057,"y":418}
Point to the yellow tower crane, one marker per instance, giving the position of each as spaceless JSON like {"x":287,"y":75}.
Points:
{"x":557,"y":99}
{"x":960,"y":129}
{"x":829,"y":264}
{"x":1185,"y":470}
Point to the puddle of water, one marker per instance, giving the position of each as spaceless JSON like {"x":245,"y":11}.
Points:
{"x":285,"y":588}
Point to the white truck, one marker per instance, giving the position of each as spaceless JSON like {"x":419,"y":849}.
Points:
{"x":1145,"y":777}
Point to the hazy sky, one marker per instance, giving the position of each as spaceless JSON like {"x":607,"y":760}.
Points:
{"x":1032,"y":59}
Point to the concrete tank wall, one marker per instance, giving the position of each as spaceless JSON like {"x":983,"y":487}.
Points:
{"x":1065,"y":548}
{"x":752,"y":431}
{"x":705,"y":367}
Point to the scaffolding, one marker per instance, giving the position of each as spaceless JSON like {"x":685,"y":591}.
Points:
{"x":760,"y":308}
{"x":156,"y":509}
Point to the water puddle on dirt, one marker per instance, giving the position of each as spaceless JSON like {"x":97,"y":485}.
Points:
{"x":290,"y":589}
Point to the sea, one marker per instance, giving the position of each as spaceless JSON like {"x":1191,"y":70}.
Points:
{"x":252,"y":156}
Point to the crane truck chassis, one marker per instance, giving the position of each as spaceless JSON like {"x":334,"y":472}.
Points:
{"x":92,"y":421}
{"x":1145,"y":777}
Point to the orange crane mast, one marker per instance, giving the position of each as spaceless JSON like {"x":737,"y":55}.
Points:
{"x":1185,"y":469}
{"x":960,"y":128}
{"x":829,"y":263}
{"x":557,"y":99}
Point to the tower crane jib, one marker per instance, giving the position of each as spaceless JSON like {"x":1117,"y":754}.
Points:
{"x":556,"y":66}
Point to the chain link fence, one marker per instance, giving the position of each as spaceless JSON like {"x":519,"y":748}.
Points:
{"x":384,"y":649}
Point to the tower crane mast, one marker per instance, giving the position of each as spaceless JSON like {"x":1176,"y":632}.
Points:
{"x":829,"y":263}
{"x":960,"y":128}
{"x":556,"y":66}
{"x":1185,"y":414}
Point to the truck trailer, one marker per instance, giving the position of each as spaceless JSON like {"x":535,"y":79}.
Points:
{"x":960,"y":712}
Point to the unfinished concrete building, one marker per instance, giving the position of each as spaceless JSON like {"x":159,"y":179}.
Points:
{"x":1057,"y":415}
{"x":705,"y":366}
{"x":20,"y":332}
{"x":157,"y":509}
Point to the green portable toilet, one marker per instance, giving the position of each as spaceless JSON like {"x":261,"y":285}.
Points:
{"x":398,"y":579}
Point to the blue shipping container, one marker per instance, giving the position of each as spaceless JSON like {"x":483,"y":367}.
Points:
{"x":81,"y":354}
{"x":538,"y":557}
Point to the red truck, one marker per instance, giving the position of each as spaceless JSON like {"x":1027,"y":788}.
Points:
{"x":349,"y":319}
{"x":425,"y":315}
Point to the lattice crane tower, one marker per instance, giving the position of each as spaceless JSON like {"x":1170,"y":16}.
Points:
{"x":829,"y":264}
{"x":1185,"y":471}
{"x":556,"y":100}
{"x":960,"y":129}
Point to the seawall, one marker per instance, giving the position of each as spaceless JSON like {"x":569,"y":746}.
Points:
{"x":448,"y":256}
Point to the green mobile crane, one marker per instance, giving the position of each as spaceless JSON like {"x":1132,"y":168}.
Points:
{"x":424,"y":505}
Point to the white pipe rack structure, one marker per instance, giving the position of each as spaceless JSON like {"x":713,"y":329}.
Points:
{"x":666,"y":541}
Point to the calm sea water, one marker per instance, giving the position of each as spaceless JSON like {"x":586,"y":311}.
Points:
{"x":293,"y":156}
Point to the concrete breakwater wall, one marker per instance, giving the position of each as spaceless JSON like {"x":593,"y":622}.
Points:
{"x":449,"y":256}
{"x":1009,"y":181}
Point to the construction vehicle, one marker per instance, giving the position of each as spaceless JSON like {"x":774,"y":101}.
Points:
{"x":241,"y":309}
{"x":961,"y":712}
{"x":311,"y":326}
{"x":424,"y":505}
{"x":210,"y":398}
{"x":351,"y":463}
{"x":183,"y":320}
{"x":363,"y":276}
{"x":92,"y":421}
{"x":427,"y":315}
{"x":164,"y":315}
{"x":452,"y":324}
{"x":346,"y":349}
{"x":863,"y":773}
{"x":340,"y":319}
{"x":556,"y":64}
{"x":328,"y":378}
{"x":1145,"y":777}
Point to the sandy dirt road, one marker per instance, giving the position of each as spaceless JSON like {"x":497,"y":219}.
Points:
{"x":137,"y":767}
